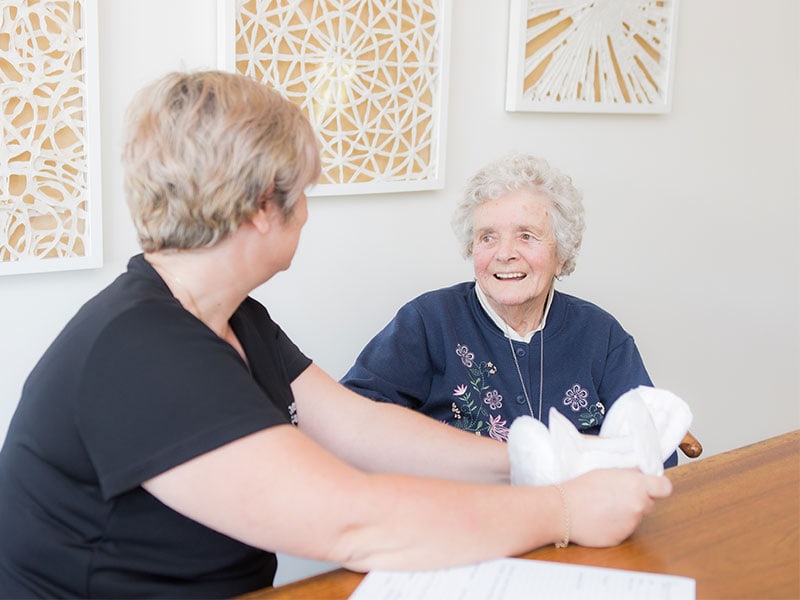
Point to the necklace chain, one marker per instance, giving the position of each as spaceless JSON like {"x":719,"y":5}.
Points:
{"x":519,"y":371}
{"x":182,"y":285}
{"x":226,"y":332}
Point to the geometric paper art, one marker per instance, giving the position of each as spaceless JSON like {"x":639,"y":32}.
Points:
{"x":371,"y":75}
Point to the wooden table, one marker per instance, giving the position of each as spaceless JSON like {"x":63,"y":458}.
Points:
{"x":732,"y":523}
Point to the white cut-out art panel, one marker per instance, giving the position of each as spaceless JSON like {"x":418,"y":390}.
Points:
{"x":591,"y":55}
{"x":371,"y":76}
{"x":49,"y":162}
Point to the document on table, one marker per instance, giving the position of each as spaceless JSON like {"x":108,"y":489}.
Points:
{"x":518,"y":579}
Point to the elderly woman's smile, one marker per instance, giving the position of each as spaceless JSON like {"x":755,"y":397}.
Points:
{"x":514,"y":255}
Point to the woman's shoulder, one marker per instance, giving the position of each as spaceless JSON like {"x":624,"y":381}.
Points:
{"x":453,"y":293}
{"x":253,"y":309}
{"x":442,"y":304}
{"x":575,"y":308}
{"x":132,"y":293}
{"x":577,"y":302}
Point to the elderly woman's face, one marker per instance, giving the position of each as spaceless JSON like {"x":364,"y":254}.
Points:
{"x":514,"y":251}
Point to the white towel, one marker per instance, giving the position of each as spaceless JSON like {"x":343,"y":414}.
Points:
{"x":641,"y":429}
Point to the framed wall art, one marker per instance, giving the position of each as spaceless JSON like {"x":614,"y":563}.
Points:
{"x":50,"y":208}
{"x":615,"y":56}
{"x":371,"y":75}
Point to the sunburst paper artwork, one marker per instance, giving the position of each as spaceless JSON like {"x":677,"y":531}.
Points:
{"x":591,"y":56}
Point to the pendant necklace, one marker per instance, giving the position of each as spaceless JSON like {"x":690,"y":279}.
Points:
{"x":519,"y":371}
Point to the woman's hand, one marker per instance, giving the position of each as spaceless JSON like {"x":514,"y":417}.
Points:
{"x":605,"y":506}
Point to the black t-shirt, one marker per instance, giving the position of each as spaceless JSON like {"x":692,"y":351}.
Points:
{"x":133,"y":386}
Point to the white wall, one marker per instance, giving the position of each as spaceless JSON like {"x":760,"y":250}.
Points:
{"x":692,"y":216}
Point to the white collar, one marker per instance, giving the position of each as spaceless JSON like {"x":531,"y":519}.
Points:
{"x":510,"y":333}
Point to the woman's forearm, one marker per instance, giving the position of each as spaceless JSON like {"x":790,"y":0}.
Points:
{"x":427,"y":523}
{"x":381,"y":437}
{"x":278,"y":490}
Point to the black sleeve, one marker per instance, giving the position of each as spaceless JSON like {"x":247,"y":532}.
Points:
{"x":160,"y":388}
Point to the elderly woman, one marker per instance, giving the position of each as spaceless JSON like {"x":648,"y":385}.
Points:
{"x":173,"y":438}
{"x":481,"y":353}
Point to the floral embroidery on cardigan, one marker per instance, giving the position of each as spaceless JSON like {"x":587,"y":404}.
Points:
{"x":470,"y":415}
{"x":577,"y":398}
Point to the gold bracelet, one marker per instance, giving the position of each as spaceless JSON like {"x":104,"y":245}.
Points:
{"x":565,"y":540}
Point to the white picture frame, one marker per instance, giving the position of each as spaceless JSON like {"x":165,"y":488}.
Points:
{"x":615,"y":56}
{"x":50,"y":179}
{"x":371,"y":76}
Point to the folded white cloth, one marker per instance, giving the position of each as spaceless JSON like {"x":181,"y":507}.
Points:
{"x":641,"y":429}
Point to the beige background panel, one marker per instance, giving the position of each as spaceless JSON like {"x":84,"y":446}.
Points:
{"x":43,"y":191}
